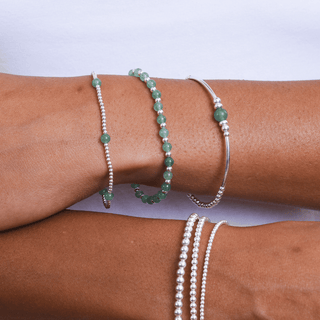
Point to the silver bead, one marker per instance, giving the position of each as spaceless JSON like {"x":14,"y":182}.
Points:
{"x":169,"y":169}
{"x":165,"y":140}
{"x":193,"y":274}
{"x":194,"y":267}
{"x":180,"y":280}
{"x":167,"y":181}
{"x":178,"y":318}
{"x":193,"y":280}
{"x":193,"y":311}
{"x":196,"y":249}
{"x":187,"y":235}
{"x":193,"y":317}
{"x":153,"y":89}
{"x":193,"y":299}
{"x":178,"y":304}
{"x":180,"y":272}
{"x":178,"y":312}
{"x":179,"y":288}
{"x":179,"y":296}
{"x":158,"y":100}
{"x":216,"y":100}
{"x":193,"y":286}
{"x":160,"y":112}
{"x":185,"y":242}
{"x":162,"y":125}
{"x":168,"y":154}
{"x":184,"y":249}
{"x":146,"y":79}
{"x":183,"y":256}
{"x":218,"y":105}
{"x":193,"y":293}
{"x":187,"y":229}
{"x":195,"y":255}
{"x":182,"y":264}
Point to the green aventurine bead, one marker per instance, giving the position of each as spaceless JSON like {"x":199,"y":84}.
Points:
{"x":131,"y":73}
{"x":143,"y":76}
{"x":167,"y":147}
{"x":156,"y":94}
{"x":149,"y":200}
{"x":151,"y":84}
{"x":136,"y":72}
{"x":168,"y":162}
{"x":105,"y":138}
{"x":164,"y":132}
{"x":138,"y":194}
{"x":144,"y":198}
{"x":96,"y":82}
{"x":220,"y":114}
{"x":161,"y":119}
{"x":135,"y":185}
{"x":166,"y":187}
{"x":103,"y":191}
{"x":161,"y":195}
{"x":108,"y":196}
{"x":155,"y":199}
{"x":158,"y":106}
{"x":168,"y":175}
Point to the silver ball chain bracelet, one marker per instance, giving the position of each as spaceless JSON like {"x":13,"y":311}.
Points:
{"x":220,"y":115}
{"x":106,"y":193}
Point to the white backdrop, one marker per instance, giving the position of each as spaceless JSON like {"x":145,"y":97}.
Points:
{"x":248,"y":39}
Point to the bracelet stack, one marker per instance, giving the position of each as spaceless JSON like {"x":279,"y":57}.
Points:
{"x":106,"y":193}
{"x":194,"y":267}
{"x":163,"y":133}
{"x":220,"y":115}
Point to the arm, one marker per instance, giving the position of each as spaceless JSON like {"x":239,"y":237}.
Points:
{"x":51,"y":156}
{"x":69,"y":266}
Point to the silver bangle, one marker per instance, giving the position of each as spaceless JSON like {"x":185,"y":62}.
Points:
{"x":205,"y":267}
{"x":194,"y":267}
{"x":182,"y":264}
{"x":220,"y":115}
{"x":106,"y":193}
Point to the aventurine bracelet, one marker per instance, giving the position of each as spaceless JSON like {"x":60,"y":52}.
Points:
{"x":220,"y":115}
{"x":106,"y":193}
{"x":166,"y":147}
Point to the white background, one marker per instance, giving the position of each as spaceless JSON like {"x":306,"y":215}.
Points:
{"x":248,"y":39}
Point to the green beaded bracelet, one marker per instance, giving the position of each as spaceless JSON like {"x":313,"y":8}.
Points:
{"x":164,"y":132}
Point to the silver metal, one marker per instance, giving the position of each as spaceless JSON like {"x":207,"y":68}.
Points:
{"x":182,"y":263}
{"x":225,"y":130}
{"x":205,"y":268}
{"x":160,"y":112}
{"x":164,"y":140}
{"x":106,"y":203}
{"x":162,"y":125}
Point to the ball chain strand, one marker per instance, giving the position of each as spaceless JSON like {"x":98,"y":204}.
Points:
{"x":161,"y":119}
{"x":194,"y":267}
{"x":182,"y":264}
{"x":205,"y":267}
{"x":106,"y":193}
{"x":220,"y":115}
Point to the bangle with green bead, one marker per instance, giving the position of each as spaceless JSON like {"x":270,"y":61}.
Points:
{"x":220,"y":115}
{"x":166,"y":147}
{"x":106,"y":193}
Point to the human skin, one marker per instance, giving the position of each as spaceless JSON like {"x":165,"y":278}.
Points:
{"x":88,"y":265}
{"x":51,"y":155}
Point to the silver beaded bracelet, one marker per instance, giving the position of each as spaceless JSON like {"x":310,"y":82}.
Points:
{"x":205,"y":267}
{"x":182,"y":264}
{"x":221,"y":116}
{"x":106,"y":193}
{"x":194,"y":267}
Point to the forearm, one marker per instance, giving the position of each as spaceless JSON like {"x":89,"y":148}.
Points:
{"x":51,"y":155}
{"x":104,"y":266}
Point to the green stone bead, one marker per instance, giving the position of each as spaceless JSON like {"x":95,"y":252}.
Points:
{"x":103,"y":191}
{"x":108,"y":196}
{"x":161,"y":119}
{"x":151,"y":84}
{"x":96,"y":82}
{"x":166,"y":147}
{"x":164,"y":132}
{"x":155,"y":199}
{"x":156,"y":94}
{"x":131,"y":73}
{"x":105,"y":138}
{"x":144,"y":198}
{"x":149,"y":200}
{"x":166,"y":186}
{"x":136,"y":72}
{"x":220,"y":114}
{"x":139,"y":193}
{"x":135,"y":185}
{"x":161,"y":195}
{"x":168,"y":175}
{"x":168,"y":162}
{"x":158,"y":106}
{"x":143,"y":76}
